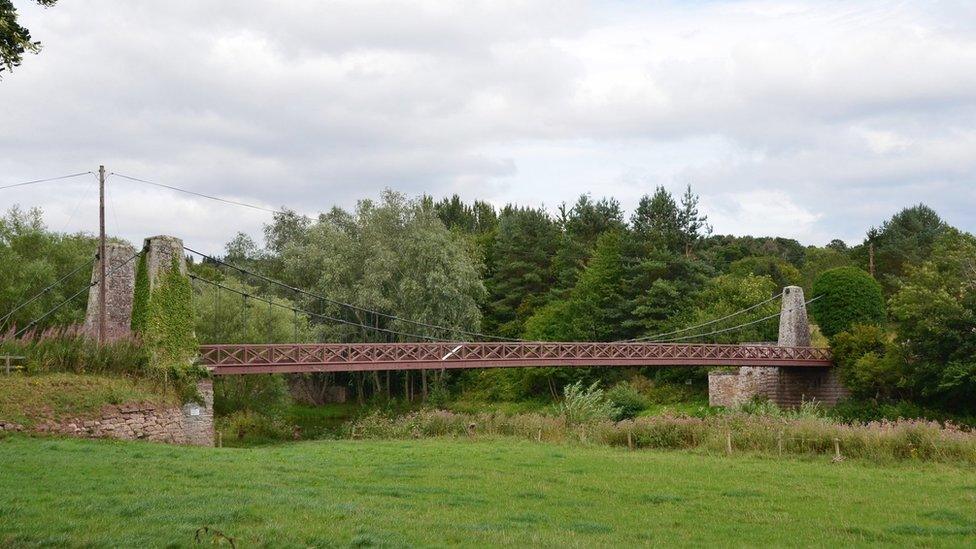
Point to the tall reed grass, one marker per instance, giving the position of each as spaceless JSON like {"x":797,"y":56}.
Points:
{"x":802,"y":434}
{"x":71,"y":349}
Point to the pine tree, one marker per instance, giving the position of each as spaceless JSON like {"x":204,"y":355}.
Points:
{"x":656,"y":222}
{"x":692,"y":225}
{"x":520,"y":274}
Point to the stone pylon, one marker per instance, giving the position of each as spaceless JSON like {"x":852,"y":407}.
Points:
{"x":160,"y":252}
{"x":794,"y":328}
{"x":120,"y":282}
{"x":786,"y":387}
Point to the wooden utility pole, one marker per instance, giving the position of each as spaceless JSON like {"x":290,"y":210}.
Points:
{"x":102,"y":312}
{"x":871,"y":258}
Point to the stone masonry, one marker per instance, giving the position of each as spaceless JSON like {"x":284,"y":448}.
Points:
{"x":120,"y":282}
{"x":139,"y":421}
{"x":786,"y":387}
{"x":198,"y":420}
{"x":160,"y":252}
{"x":190,"y":424}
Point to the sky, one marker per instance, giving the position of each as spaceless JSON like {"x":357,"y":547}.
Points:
{"x":811,"y":120}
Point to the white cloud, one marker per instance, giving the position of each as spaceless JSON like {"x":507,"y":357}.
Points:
{"x":842,"y":111}
{"x":778,"y":213}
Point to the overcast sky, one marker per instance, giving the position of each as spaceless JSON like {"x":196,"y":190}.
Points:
{"x":813,"y":120}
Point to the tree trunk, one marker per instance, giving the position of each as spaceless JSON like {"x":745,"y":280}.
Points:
{"x":377,"y":386}
{"x":360,"y":398}
{"x":423,"y":381}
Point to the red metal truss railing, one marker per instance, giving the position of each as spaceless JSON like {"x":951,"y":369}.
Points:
{"x":355,"y":357}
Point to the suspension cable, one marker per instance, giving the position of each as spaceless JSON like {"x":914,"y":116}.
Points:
{"x":740,"y":326}
{"x":66,"y":301}
{"x":349,"y":305}
{"x":310,"y":313}
{"x":69,"y":176}
{"x":6,"y":317}
{"x":207,"y":196}
{"x":709,"y":323}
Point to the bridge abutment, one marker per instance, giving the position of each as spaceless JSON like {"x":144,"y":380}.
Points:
{"x":198,"y":418}
{"x":785,"y":387}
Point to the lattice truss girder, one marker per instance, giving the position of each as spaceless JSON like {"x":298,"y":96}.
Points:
{"x":358,"y":356}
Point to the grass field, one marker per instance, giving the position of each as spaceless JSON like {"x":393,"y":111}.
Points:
{"x":442,"y":492}
{"x":25,"y":399}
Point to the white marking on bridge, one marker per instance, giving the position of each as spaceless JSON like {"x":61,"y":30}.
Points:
{"x":454,"y":350}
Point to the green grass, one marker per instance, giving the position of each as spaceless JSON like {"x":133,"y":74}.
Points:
{"x":472,"y":406}
{"x":312,"y":419}
{"x":487,"y":492}
{"x":692,"y":407}
{"x":29,"y":398}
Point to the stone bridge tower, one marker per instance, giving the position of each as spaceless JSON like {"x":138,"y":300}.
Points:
{"x":120,"y":282}
{"x":786,"y":387}
{"x":159,"y":254}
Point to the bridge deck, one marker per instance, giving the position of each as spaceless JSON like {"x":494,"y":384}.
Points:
{"x":357,"y":357}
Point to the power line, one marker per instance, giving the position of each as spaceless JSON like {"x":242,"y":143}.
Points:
{"x":69,"y":176}
{"x":66,"y":301}
{"x":709,"y":323}
{"x":44,"y":291}
{"x":349,"y":305}
{"x":247,"y":295}
{"x":194,"y":193}
{"x":271,"y":281}
{"x":740,"y":326}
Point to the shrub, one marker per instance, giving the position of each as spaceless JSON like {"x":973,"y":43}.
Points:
{"x":265,"y":393}
{"x":848,"y":296}
{"x":870,"y":361}
{"x":627,"y":400}
{"x":246,"y":425}
{"x":859,"y":411}
{"x":581,"y":405}
{"x":803,"y":432}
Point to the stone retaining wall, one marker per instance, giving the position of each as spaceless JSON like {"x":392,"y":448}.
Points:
{"x":786,"y":387}
{"x":192,"y":424}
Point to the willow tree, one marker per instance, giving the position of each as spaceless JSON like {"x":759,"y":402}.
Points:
{"x":394,"y":257}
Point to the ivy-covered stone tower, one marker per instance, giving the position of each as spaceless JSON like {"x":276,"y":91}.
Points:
{"x":162,"y":315}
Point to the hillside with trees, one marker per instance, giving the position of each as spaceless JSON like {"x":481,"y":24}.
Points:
{"x":588,"y":272}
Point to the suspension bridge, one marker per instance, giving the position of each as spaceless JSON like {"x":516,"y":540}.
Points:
{"x":785,"y":370}
{"x":780,"y":370}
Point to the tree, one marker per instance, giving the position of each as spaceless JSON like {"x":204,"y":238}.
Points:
{"x":15,"y":40}
{"x":819,"y":260}
{"x":934,"y":310}
{"x":394,"y":257}
{"x":32,"y":259}
{"x":693,"y":225}
{"x":870,"y":363}
{"x":581,"y":226}
{"x":778,"y":270}
{"x":242,"y":250}
{"x":593,"y":311}
{"x":597,"y":307}
{"x":846,"y":296}
{"x":478,"y":218}
{"x":905,"y":239}
{"x":520,"y":274}
{"x":727,"y":294}
{"x":657,"y":221}
{"x":660,"y":286}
